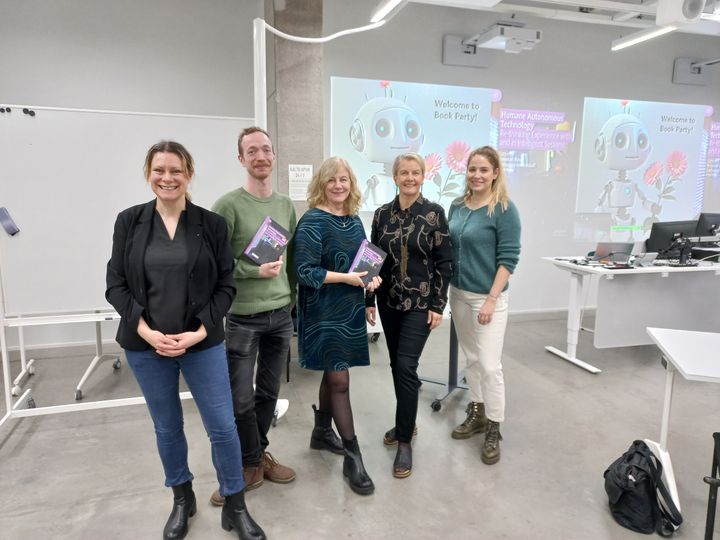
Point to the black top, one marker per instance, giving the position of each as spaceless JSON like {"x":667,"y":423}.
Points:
{"x":166,"y":269}
{"x":210,"y":284}
{"x":417,"y":271}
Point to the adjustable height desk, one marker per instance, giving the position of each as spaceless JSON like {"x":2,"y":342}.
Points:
{"x":695,"y":355}
{"x":630,"y":300}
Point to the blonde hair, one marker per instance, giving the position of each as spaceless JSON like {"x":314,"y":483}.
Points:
{"x":498,"y":190}
{"x":326,"y":171}
{"x":409,"y":156}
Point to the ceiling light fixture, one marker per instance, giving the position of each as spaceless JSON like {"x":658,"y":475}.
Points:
{"x":639,"y":37}
{"x":387,"y":9}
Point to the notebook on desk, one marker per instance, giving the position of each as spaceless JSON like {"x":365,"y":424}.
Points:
{"x":616,"y":252}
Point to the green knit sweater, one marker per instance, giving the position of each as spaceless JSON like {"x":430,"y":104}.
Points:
{"x":481,"y":244}
{"x":244,"y":213}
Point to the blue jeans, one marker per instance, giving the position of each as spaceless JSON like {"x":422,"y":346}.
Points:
{"x":262,"y":338}
{"x":206,"y":374}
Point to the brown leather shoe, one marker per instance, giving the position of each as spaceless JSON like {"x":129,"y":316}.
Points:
{"x":253,"y":479}
{"x":275,"y":472}
{"x":216,"y":499}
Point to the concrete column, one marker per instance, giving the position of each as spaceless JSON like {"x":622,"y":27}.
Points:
{"x":295,"y":88}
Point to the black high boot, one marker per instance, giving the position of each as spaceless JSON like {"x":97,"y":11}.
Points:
{"x":235,"y":515}
{"x":184,"y":507}
{"x":323,"y":435}
{"x":354,"y":468}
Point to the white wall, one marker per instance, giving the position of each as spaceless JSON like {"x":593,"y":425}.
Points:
{"x":168,"y":56}
{"x":172,"y":56}
{"x":573,"y":61}
{"x":189,"y":57}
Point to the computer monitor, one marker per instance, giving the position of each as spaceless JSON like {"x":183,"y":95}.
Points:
{"x":708,"y":224}
{"x":663,"y":233}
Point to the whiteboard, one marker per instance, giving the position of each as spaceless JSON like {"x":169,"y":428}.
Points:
{"x":65,"y":174}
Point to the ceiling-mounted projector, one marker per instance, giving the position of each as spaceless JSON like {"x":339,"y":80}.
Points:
{"x":508,"y":36}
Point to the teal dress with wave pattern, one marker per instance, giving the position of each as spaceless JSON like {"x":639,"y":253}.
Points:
{"x":332,"y":335}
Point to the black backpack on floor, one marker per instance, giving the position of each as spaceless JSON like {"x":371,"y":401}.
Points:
{"x":639,"y":500}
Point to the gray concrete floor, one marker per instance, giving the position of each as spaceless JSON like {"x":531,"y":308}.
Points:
{"x":96,"y":475}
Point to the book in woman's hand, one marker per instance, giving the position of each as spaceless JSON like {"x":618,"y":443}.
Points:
{"x":269,"y":242}
{"x":369,"y":258}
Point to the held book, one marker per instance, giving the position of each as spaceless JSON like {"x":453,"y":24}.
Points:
{"x":269,"y":242}
{"x":369,"y":258}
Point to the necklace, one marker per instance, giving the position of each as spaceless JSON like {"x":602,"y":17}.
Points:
{"x":404,"y":242}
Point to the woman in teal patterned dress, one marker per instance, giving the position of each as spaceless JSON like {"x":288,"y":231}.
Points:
{"x":332,"y":334}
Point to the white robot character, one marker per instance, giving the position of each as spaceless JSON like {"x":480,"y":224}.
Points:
{"x":622,"y":145}
{"x":383,"y":128}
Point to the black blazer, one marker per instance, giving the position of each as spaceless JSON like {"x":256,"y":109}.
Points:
{"x":211,"y":288}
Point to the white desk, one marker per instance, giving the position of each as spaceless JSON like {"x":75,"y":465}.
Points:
{"x":696,"y":356}
{"x":628,"y":301}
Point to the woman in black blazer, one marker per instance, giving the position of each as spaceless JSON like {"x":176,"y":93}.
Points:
{"x":170,"y":279}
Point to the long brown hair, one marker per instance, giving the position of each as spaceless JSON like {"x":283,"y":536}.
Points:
{"x":498,"y":189}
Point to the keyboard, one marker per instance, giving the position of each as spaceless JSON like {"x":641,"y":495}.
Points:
{"x":674,"y":262}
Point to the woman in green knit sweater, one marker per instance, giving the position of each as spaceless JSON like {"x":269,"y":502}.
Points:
{"x":485,"y":234}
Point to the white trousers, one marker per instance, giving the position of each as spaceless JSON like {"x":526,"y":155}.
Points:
{"x":482,"y":346}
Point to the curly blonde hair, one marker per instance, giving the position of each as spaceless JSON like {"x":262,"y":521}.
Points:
{"x":326,"y":171}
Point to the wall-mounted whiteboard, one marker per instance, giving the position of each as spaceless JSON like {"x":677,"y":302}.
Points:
{"x":64,"y":176}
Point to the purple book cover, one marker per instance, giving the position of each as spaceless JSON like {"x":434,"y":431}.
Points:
{"x":369,"y":258}
{"x":269,"y":242}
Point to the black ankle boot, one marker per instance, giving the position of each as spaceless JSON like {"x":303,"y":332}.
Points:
{"x":354,"y":469}
{"x":323,"y":435}
{"x":184,"y":507}
{"x":235,"y":515}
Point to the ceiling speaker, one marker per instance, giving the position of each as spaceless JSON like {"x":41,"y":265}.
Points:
{"x":672,"y":12}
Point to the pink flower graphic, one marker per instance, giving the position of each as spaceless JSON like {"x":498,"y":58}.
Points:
{"x":433,"y":164}
{"x":652,"y":173}
{"x":384,"y":84}
{"x":457,"y":154}
{"x":676,"y":164}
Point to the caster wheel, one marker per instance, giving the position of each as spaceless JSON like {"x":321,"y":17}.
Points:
{"x":374,"y":338}
{"x":116,"y":364}
{"x":31,"y":370}
{"x":436,"y":405}
{"x":78,"y":395}
{"x":15,"y":391}
{"x":31,"y":403}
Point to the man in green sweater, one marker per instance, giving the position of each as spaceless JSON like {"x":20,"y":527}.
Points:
{"x":259,"y":326}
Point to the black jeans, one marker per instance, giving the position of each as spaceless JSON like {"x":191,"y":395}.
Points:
{"x":405,"y":333}
{"x":264,"y":337}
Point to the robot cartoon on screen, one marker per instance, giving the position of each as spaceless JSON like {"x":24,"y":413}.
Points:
{"x":623,"y":145}
{"x":383,"y":128}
